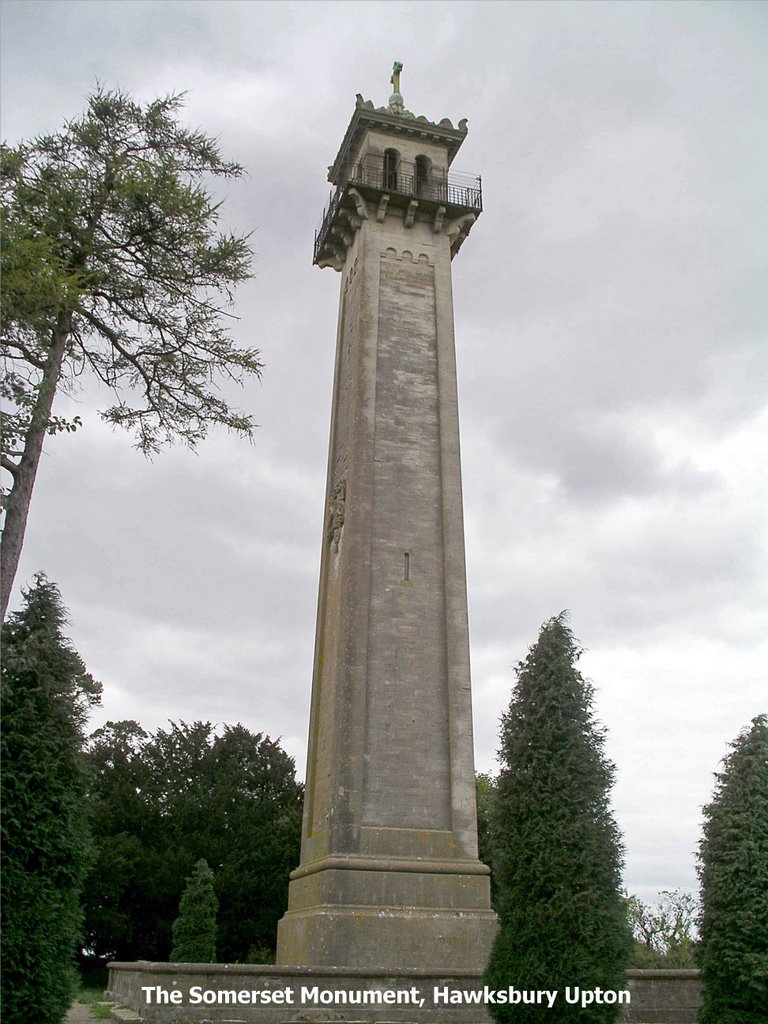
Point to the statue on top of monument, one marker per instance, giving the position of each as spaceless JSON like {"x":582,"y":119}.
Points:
{"x":396,"y":104}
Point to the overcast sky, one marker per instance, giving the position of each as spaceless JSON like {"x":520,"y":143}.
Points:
{"x":611,"y":340}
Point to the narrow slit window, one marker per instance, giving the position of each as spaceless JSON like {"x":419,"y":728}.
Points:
{"x":406,"y":566}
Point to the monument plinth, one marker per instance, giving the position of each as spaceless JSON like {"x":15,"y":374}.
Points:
{"x":389,"y":875}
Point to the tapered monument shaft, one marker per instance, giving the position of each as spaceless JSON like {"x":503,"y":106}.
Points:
{"x":389,"y":875}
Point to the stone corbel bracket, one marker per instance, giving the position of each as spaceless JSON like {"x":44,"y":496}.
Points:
{"x":342,"y":233}
{"x":381,"y":212}
{"x":345,"y":236}
{"x":458,"y":229}
{"x":360,"y":204}
{"x":335,"y":262}
{"x":352,"y":219}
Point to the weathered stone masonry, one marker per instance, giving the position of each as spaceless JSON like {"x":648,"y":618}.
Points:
{"x":389,"y":875}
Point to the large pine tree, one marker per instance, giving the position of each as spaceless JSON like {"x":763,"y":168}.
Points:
{"x":557,"y":849}
{"x":733,"y":870}
{"x":46,"y":694}
{"x":113,"y":264}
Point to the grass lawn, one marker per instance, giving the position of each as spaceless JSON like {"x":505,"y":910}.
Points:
{"x":94,"y":1000}
{"x":93,"y":982}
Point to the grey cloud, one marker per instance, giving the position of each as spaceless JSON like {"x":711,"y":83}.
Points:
{"x":611,"y":294}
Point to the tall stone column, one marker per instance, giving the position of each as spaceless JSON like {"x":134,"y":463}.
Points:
{"x":389,"y":875}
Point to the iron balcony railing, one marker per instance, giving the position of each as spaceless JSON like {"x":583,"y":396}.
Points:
{"x":406,"y":179}
{"x":454,"y":189}
{"x":328,"y":217}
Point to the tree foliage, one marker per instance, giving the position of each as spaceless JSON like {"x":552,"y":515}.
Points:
{"x":113,"y":264}
{"x":557,"y":849}
{"x":485,"y":790}
{"x":194,"y":930}
{"x":663,"y":932}
{"x":733,"y":872}
{"x":46,"y":694}
{"x":162,"y":802}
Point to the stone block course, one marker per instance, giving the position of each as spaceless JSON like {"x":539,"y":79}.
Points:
{"x":657,"y":997}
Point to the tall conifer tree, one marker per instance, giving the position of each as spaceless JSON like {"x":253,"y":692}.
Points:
{"x":46,"y":694}
{"x":733,"y":870}
{"x":194,"y":930}
{"x":557,"y":849}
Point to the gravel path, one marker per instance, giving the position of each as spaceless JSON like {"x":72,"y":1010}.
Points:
{"x":79,"y":1013}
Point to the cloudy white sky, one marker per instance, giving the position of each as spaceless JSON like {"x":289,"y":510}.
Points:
{"x":611,"y":335}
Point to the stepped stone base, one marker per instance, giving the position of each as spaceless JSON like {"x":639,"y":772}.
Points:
{"x":160,"y":993}
{"x":407,"y":900}
{"x":463,"y":938}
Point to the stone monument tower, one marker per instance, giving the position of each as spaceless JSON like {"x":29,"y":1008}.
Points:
{"x":389,"y":875}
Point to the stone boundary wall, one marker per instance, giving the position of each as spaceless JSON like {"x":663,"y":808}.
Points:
{"x":656,"y":997}
{"x":663,"y":997}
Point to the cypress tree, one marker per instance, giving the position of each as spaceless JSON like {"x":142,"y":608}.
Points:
{"x":194,"y":930}
{"x":557,"y":849}
{"x":46,"y":693}
{"x":733,"y":871}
